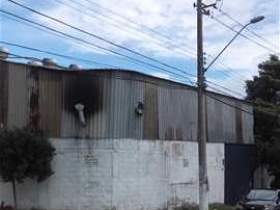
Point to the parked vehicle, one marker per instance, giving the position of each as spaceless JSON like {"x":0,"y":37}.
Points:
{"x":261,"y":199}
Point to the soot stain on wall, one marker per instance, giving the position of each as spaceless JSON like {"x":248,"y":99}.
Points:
{"x":84,"y":88}
{"x":34,"y":116}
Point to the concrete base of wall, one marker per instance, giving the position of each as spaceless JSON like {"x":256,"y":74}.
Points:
{"x":122,"y":174}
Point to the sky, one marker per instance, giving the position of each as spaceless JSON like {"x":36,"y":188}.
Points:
{"x":164,"y":30}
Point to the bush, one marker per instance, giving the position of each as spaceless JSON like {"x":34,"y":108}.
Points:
{"x":220,"y":206}
{"x":24,"y":154}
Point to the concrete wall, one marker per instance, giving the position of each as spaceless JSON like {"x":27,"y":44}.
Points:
{"x":123,"y":174}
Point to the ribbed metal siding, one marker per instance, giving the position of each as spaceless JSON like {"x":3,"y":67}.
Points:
{"x":18,"y":94}
{"x":177,"y":114}
{"x":227,"y":123}
{"x":3,"y":94}
{"x":111,"y":98}
{"x":50,"y":102}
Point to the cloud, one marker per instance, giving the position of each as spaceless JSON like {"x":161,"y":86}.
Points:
{"x":177,"y":21}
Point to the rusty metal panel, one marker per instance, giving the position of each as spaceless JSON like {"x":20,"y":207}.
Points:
{"x":50,"y":101}
{"x":3,"y":93}
{"x":126,"y":94}
{"x":151,"y":114}
{"x":17,"y":95}
{"x":227,"y":122}
{"x":177,"y":114}
{"x":248,"y":124}
{"x":221,"y":120}
{"x":215,"y":127}
{"x":44,"y":99}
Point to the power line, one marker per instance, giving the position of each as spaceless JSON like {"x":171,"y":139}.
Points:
{"x":94,"y":62}
{"x":99,"y":14}
{"x":244,"y":36}
{"x":161,"y":69}
{"x":230,"y":105}
{"x":225,"y":88}
{"x":110,"y":50}
{"x":49,"y":31}
{"x":95,"y":36}
{"x":178,"y":81}
{"x":85,"y":7}
{"x":57,"y":54}
{"x":97,"y":46}
{"x":94,"y":15}
{"x":147,"y":81}
{"x":247,"y":29}
{"x":136,"y":23}
{"x":172,"y":73}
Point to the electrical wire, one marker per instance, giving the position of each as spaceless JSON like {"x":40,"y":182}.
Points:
{"x":81,"y":5}
{"x":169,"y":38}
{"x":230,"y":105}
{"x":167,"y":64}
{"x":244,"y":36}
{"x":86,"y":8}
{"x":177,"y":82}
{"x":136,"y":30}
{"x":94,"y":35}
{"x":247,"y":29}
{"x":57,"y":54}
{"x":188,"y":78}
{"x":146,"y":56}
{"x":225,"y":88}
{"x":208,"y":94}
{"x":97,"y":46}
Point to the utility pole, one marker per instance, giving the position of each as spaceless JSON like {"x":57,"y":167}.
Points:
{"x":201,"y":137}
{"x":202,"y":9}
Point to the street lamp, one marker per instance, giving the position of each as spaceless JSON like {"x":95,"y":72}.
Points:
{"x":252,"y":21}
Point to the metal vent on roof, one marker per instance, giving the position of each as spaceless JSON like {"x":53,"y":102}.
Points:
{"x":35,"y":63}
{"x":4,"y":53}
{"x":74,"y":67}
{"x":49,"y":62}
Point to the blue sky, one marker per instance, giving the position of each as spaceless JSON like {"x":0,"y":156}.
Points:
{"x":175,"y":19}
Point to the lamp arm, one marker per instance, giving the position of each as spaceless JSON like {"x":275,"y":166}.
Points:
{"x":235,"y":36}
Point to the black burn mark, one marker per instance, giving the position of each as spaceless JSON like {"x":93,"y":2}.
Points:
{"x":34,"y":116}
{"x":3,"y":94}
{"x":83,"y":88}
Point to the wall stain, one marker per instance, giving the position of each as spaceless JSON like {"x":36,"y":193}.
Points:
{"x":83,"y":88}
{"x":34,"y":114}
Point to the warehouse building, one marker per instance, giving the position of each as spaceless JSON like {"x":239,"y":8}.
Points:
{"x":124,"y":140}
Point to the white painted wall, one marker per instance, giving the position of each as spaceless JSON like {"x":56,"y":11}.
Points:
{"x":123,"y":174}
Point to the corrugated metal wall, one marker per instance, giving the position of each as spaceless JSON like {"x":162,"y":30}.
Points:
{"x":3,"y":94}
{"x":45,"y":98}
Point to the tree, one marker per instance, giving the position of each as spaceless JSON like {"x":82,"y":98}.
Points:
{"x":264,"y":92}
{"x":24,"y":154}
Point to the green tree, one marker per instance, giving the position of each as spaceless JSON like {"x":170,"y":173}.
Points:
{"x":264,"y":91}
{"x":24,"y":154}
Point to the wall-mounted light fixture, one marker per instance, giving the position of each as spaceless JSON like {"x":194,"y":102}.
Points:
{"x":80,"y":109}
{"x":139,"y":108}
